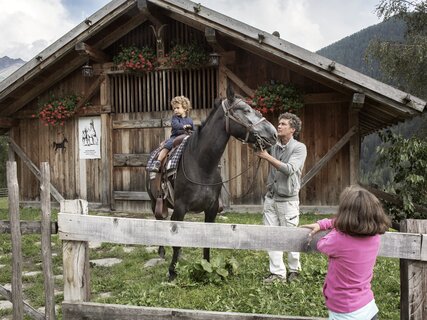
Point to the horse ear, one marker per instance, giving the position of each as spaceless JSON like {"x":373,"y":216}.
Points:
{"x":230,"y":92}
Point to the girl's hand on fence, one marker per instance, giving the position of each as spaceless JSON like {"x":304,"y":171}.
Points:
{"x":315,"y":227}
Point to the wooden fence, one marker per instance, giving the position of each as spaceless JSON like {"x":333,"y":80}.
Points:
{"x":76,"y":228}
{"x":16,"y":228}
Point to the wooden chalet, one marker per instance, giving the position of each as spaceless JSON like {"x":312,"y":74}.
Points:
{"x":133,"y":111}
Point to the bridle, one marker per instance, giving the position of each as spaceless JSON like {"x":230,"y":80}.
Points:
{"x":249,"y":126}
{"x":229,"y":115}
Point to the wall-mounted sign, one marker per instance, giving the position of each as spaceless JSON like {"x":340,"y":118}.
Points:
{"x":90,"y":138}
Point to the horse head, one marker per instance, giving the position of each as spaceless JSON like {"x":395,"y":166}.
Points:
{"x":247,"y":124}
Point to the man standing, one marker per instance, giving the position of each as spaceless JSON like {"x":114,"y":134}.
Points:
{"x":281,"y":205}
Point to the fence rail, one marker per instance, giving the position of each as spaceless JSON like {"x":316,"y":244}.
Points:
{"x":3,"y":192}
{"x":218,"y":235}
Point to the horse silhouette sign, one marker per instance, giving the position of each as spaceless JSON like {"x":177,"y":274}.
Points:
{"x":89,"y":137}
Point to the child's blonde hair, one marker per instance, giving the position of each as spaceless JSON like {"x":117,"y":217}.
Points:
{"x":360,"y":213}
{"x":182,"y":100}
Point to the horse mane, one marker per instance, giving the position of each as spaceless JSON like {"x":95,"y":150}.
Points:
{"x":231,"y":97}
{"x":193,"y":142}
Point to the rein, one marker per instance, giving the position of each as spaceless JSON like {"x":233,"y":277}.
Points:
{"x":221,"y":182}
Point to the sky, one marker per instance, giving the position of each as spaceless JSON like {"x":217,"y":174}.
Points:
{"x":27,"y":29}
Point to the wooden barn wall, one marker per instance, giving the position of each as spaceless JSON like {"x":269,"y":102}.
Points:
{"x":37,"y":141}
{"x":96,"y":180}
{"x":139,"y":141}
{"x":323,"y":126}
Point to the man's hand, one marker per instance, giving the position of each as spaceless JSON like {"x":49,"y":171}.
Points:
{"x":263,"y":154}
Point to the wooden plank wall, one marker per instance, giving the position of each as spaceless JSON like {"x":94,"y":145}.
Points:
{"x":323,"y":126}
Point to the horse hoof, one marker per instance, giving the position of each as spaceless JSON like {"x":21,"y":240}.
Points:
{"x":172,"y":276}
{"x":161,"y":252}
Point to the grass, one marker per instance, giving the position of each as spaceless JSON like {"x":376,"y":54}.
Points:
{"x":131,"y":283}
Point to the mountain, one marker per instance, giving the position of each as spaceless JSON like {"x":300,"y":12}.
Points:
{"x":8,"y":66}
{"x":350,"y":51}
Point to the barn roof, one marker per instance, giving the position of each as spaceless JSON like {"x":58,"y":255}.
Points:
{"x":384,"y":105}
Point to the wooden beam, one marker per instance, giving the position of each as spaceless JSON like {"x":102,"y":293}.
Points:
{"x":42,"y":86}
{"x":131,"y":195}
{"x":121,"y":30}
{"x":16,"y":239}
{"x":29,"y":310}
{"x":75,"y":257}
{"x":33,"y":168}
{"x":46,"y":242}
{"x":358,"y":101}
{"x":146,"y":8}
{"x":130,"y":159}
{"x":413,"y":277}
{"x":91,"y":52}
{"x":239,"y":82}
{"x":74,"y":227}
{"x":393,"y":198}
{"x":210,"y":35}
{"x":325,"y":98}
{"x":28,"y":227}
{"x":7,"y":123}
{"x":356,"y":105}
{"x":137,"y":124}
{"x":93,"y":89}
{"x":102,"y":311}
{"x":319,"y":165}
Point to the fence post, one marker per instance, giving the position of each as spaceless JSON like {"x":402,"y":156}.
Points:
{"x":15,"y":231}
{"x":75,"y":258}
{"x":46,"y":242}
{"x":413,"y":276}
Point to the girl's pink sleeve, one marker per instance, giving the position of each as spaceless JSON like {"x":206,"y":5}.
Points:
{"x":330,"y":243}
{"x":326,"y":224}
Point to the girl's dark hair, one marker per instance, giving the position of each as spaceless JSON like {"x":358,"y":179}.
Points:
{"x":360,"y":213}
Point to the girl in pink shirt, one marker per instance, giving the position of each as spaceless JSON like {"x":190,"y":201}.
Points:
{"x":352,"y":248}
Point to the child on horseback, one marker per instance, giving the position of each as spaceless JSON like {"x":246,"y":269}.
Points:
{"x":180,"y":123}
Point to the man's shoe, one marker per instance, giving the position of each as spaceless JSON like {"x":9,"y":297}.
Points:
{"x":292,"y":276}
{"x":273,"y":278}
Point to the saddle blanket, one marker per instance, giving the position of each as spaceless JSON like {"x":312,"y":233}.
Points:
{"x":173,"y":158}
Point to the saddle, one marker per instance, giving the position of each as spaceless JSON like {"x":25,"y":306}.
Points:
{"x":161,"y":183}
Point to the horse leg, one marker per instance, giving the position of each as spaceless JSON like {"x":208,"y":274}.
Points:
{"x":172,"y":266}
{"x":210,"y":216}
{"x":177,"y":215}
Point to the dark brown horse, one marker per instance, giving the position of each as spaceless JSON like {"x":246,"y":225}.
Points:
{"x":198,"y":181}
